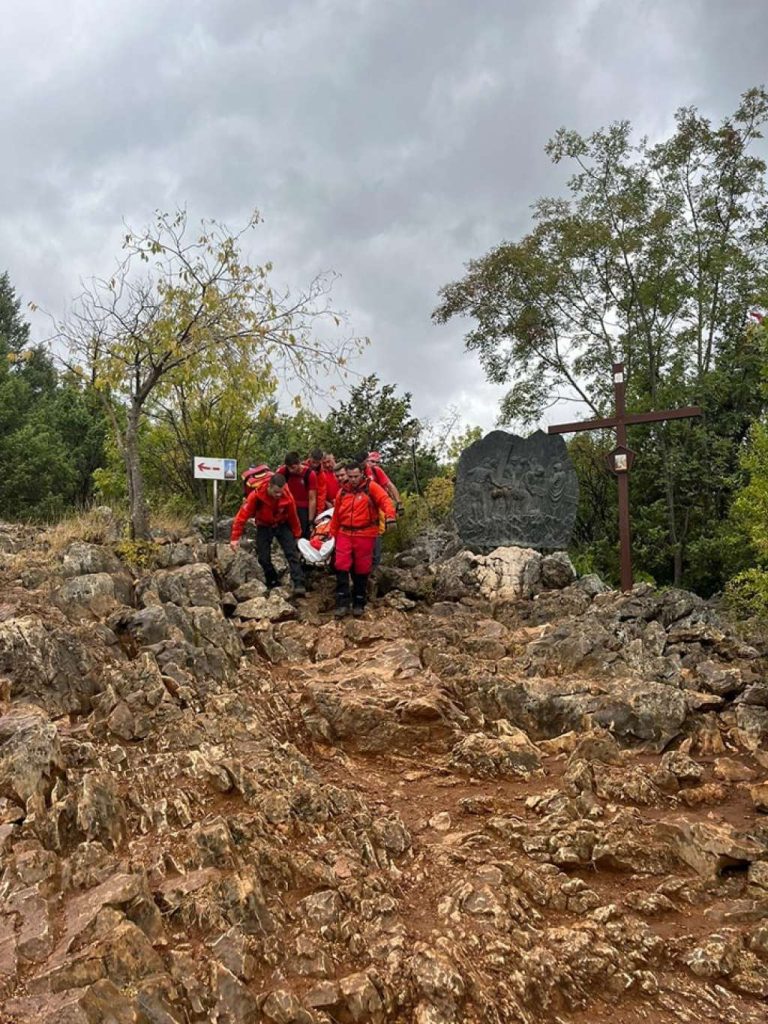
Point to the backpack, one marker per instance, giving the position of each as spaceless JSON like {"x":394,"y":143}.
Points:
{"x":253,"y":476}
{"x":304,"y":475}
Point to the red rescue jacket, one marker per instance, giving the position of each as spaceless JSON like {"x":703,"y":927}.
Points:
{"x":300,"y":484}
{"x":331,"y":487}
{"x":377,"y":474}
{"x":267,"y":511}
{"x":321,"y":486}
{"x":358,"y":509}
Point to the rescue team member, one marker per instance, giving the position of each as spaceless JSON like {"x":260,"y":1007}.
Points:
{"x":328,"y":473}
{"x":302,"y":483}
{"x":372,"y":469}
{"x":355,"y":526}
{"x":315,"y":463}
{"x":341,"y":478}
{"x":272,"y":508}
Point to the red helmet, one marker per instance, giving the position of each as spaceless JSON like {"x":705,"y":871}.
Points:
{"x":374,"y":457}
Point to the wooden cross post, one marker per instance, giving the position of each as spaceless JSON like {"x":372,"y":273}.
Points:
{"x":621,"y":458}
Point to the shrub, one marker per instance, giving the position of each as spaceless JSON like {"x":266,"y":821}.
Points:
{"x":747,"y":594}
{"x":422,"y":512}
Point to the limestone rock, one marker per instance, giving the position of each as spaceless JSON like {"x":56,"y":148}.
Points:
{"x":632,"y":711}
{"x":711,"y":849}
{"x":759,"y":795}
{"x":557,"y":571}
{"x":30,"y":755}
{"x":273,"y":608}
{"x":503,"y":573}
{"x":714,"y":678}
{"x":682,"y":766}
{"x":238,"y":568}
{"x":95,"y":594}
{"x":187,"y":586}
{"x":46,"y":665}
{"x":81,"y":559}
{"x":512,"y":753}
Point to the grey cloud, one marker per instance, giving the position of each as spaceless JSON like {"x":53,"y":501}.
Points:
{"x":389,"y":141}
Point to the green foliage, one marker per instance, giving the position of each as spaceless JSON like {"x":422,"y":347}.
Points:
{"x":51,"y":432}
{"x":654,"y":259}
{"x":185,"y":310}
{"x":750,"y":507}
{"x":373,"y":418}
{"x":422,"y":512}
{"x":460,"y":441}
{"x":747,"y":594}
{"x":139,"y":555}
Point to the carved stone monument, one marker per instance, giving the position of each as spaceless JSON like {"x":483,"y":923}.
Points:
{"x":515,"y":491}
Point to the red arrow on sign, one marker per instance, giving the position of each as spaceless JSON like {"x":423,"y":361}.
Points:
{"x":203,"y":468}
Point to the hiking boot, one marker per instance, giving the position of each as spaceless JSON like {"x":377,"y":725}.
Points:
{"x":341,"y":610}
{"x":358,"y":608}
{"x":299,"y":590}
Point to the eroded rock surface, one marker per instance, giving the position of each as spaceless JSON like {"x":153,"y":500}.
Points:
{"x":526,"y":799}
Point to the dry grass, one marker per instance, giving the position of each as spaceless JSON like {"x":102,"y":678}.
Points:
{"x":175,"y":523}
{"x":93,"y":526}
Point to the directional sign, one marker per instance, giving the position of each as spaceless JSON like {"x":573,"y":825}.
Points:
{"x":214,"y":469}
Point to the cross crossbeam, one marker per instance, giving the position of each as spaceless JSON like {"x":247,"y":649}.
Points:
{"x":623,"y":457}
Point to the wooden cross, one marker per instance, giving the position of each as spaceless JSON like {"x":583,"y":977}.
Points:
{"x":621,"y":458}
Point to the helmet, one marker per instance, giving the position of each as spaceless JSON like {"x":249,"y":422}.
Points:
{"x":374,"y":457}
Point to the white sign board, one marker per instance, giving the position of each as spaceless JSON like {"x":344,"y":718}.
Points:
{"x":214,"y":469}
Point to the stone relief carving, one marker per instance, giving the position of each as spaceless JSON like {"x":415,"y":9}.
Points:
{"x":512,"y":490}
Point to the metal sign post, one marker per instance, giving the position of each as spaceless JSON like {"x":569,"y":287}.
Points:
{"x":621,"y":458}
{"x":205,"y":468}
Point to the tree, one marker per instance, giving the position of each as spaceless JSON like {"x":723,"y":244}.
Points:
{"x":654,"y":258}
{"x":14,"y":331}
{"x":458,"y":442}
{"x":375,"y":418}
{"x":215,"y":416}
{"x":181,"y":305}
{"x":51,"y":436}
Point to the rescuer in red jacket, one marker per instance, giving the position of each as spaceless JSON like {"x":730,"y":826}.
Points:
{"x":315,"y":463}
{"x":328,"y":476}
{"x":302,"y":483}
{"x":272,"y":508}
{"x":355,"y":524}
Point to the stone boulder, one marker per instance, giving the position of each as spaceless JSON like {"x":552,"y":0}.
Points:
{"x":633,"y":711}
{"x":385,"y":702}
{"x":94,"y":595}
{"x":557,"y":571}
{"x":46,"y":666}
{"x":188,"y":586}
{"x":30,"y":755}
{"x":81,"y":559}
{"x":712,"y":849}
{"x":273,"y":608}
{"x":511,"y":753}
{"x":504,"y":573}
{"x":237,"y":567}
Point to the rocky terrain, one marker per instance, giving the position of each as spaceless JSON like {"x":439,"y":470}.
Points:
{"x":505,"y":795}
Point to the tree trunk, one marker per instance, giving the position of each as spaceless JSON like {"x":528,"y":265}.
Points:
{"x":139,"y":517}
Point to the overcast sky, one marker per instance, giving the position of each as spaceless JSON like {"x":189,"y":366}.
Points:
{"x":387,"y":140}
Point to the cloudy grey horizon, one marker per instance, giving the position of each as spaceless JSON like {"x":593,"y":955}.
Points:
{"x":389,"y":143}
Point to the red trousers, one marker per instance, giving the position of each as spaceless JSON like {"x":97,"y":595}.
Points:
{"x":354,"y":553}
